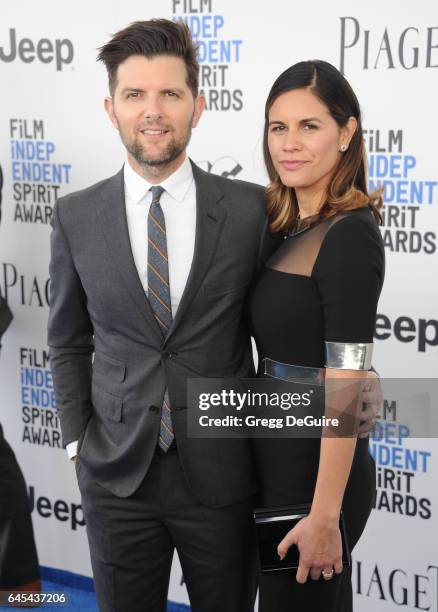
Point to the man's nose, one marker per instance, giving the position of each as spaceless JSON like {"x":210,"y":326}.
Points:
{"x":152,"y":109}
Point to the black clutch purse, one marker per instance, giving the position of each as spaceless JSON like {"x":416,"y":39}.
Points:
{"x":272,"y":524}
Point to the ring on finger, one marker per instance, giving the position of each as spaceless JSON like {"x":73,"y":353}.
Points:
{"x":327,"y":575}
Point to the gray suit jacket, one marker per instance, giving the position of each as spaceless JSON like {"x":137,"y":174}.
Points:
{"x":98,"y":305}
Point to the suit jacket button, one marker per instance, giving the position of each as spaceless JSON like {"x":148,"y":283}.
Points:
{"x":154,"y":408}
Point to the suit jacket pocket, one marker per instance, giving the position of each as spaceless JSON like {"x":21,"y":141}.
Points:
{"x":106,"y":404}
{"x":112,"y":368}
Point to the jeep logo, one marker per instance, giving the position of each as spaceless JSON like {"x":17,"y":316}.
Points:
{"x":46,"y":51}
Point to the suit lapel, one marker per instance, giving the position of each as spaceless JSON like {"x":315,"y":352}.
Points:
{"x":114,"y":226}
{"x":209,"y":223}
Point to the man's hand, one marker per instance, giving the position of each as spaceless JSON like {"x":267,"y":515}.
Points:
{"x":372,"y":403}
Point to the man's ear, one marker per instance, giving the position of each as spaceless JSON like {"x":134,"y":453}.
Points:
{"x":109,"y":108}
{"x":199,"y":109}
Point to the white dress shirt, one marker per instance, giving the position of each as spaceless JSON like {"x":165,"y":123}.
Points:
{"x":178,"y":202}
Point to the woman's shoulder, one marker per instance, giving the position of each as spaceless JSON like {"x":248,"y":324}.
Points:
{"x":358,"y":218}
{"x":350,"y":237}
{"x":351,"y":226}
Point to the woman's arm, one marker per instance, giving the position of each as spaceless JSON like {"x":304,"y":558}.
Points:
{"x":348,"y":274}
{"x":318,"y":536}
{"x":343,"y":400}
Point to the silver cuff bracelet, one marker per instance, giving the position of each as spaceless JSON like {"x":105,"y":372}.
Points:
{"x":348,"y":355}
{"x":293,"y":373}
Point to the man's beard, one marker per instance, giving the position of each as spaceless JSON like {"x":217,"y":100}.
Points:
{"x":168,"y":155}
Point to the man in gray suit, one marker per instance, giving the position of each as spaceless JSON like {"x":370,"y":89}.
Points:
{"x":149,"y":272}
{"x":141,"y":496}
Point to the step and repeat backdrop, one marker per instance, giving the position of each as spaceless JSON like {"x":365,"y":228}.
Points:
{"x":55,"y":138}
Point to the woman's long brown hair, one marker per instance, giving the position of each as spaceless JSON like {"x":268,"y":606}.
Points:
{"x":348,"y":188}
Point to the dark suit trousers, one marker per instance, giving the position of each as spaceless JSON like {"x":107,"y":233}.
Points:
{"x":132,"y":541}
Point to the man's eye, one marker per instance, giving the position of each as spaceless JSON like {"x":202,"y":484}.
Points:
{"x":278,"y":128}
{"x":170,"y":94}
{"x":133,"y":94}
{"x":310,"y":126}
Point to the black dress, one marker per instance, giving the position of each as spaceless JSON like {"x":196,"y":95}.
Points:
{"x":322,"y":284}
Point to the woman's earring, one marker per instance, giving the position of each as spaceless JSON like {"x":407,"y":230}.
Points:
{"x":343,"y":148}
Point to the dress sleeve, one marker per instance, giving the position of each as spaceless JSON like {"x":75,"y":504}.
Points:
{"x":349,"y":274}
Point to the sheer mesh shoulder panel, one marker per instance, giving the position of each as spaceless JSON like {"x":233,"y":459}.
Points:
{"x":298,"y":254}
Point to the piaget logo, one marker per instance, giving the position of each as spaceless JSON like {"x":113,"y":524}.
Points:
{"x":405,"y":47}
{"x":59,"y":52}
{"x":401,"y":586}
{"x":24,"y":289}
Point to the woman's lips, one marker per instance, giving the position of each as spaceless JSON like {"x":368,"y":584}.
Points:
{"x":293,"y":165}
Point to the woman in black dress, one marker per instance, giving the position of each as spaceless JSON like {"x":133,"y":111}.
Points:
{"x":314,"y":304}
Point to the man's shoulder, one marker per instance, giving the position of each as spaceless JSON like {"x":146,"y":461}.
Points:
{"x":84,"y":197}
{"x":242,"y":187}
{"x":229,"y":186}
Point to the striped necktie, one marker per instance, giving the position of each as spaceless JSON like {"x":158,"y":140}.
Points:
{"x":159,"y":295}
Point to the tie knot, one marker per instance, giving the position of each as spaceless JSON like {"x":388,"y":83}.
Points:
{"x":157,"y":190}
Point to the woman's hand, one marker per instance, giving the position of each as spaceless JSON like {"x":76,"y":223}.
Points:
{"x":320,"y":546}
{"x":372,"y":398}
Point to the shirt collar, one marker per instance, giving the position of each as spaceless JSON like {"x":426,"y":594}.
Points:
{"x":176,"y":185}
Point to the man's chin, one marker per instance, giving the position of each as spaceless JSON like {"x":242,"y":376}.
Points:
{"x":157,"y":162}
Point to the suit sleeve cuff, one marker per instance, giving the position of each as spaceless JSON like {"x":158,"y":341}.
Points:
{"x":72,"y":449}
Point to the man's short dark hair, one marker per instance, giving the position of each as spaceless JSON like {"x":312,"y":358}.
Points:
{"x":150,"y":39}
